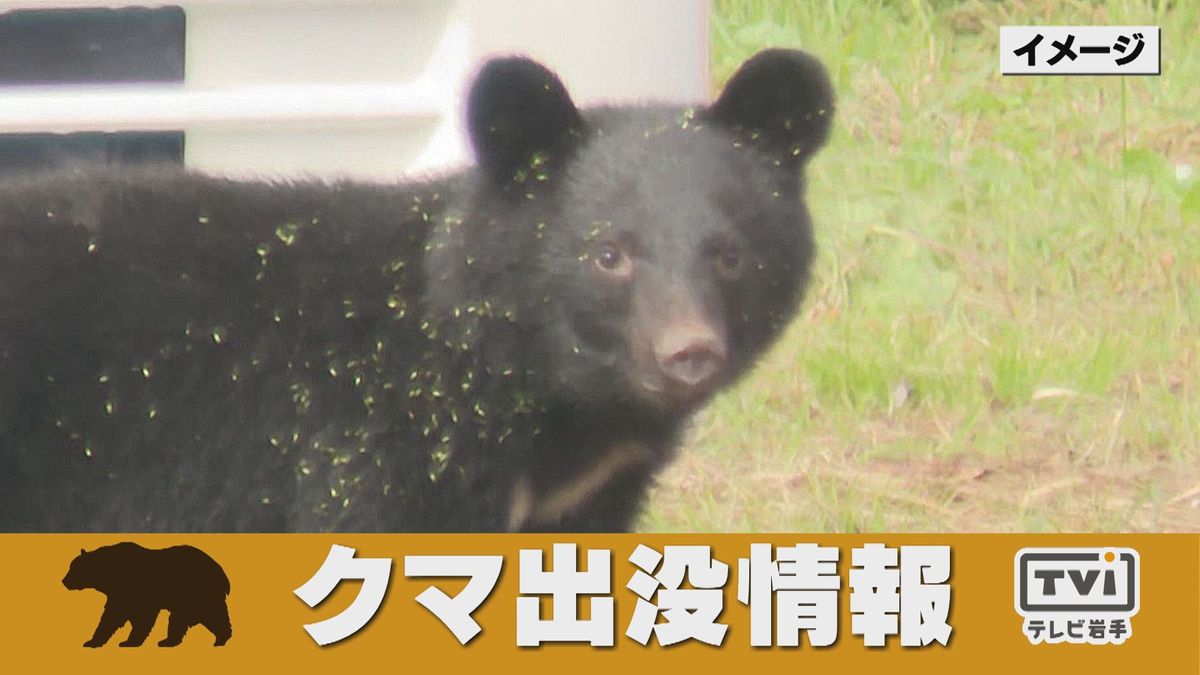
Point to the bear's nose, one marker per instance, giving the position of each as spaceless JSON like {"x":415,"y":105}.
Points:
{"x":690,"y":355}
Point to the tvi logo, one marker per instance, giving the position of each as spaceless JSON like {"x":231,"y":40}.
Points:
{"x":1079,"y":595}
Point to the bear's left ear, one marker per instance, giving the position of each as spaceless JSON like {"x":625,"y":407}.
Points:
{"x":781,"y":100}
{"x":518,"y":110}
{"x":81,"y":551}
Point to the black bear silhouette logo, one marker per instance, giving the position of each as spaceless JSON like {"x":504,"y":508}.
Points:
{"x":141,"y":582}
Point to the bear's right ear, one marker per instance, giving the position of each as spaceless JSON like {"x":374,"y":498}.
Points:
{"x":517,"y":109}
{"x":81,"y":551}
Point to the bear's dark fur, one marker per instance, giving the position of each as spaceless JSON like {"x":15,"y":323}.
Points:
{"x":514,"y":347}
{"x":140,"y":582}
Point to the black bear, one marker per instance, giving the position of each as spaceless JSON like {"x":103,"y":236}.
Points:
{"x":140,"y":582}
{"x":513,"y":347}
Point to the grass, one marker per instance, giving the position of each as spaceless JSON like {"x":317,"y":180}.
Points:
{"x":1004,"y":329}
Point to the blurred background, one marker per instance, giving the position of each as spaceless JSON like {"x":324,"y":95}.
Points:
{"x":1003,"y":331}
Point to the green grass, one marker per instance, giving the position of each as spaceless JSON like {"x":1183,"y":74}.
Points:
{"x":1004,"y":329}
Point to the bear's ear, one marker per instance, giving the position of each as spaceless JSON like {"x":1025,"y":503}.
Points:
{"x":518,"y":111}
{"x":781,"y":100}
{"x":81,"y":551}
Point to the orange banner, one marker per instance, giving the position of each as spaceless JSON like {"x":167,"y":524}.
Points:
{"x":938,"y":603}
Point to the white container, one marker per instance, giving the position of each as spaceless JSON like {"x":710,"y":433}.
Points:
{"x":369,"y":88}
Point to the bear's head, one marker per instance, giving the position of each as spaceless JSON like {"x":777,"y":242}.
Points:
{"x":83,"y":572}
{"x":650,"y":253}
{"x":94,"y":569}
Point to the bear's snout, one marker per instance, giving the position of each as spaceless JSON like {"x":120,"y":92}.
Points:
{"x":689,"y":357}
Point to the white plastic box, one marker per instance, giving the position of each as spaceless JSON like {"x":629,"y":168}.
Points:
{"x":369,"y":88}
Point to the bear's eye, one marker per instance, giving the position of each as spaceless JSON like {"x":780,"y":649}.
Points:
{"x":613,"y":261}
{"x":729,"y":263}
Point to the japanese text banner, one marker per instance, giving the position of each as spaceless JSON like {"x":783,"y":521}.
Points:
{"x":591,"y":603}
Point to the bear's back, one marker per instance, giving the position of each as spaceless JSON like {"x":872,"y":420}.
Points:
{"x":187,"y":572}
{"x":148,"y":313}
{"x":173,"y":577}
